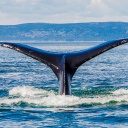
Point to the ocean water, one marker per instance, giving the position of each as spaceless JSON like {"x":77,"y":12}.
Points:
{"x":29,"y":90}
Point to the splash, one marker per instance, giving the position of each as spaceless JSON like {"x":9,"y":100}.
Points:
{"x":43,"y":98}
{"x":29,"y":91}
{"x":121,"y":92}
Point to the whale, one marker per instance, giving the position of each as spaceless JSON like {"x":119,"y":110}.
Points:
{"x":64,"y":65}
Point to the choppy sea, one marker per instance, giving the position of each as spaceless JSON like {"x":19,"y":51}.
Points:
{"x":29,"y":90}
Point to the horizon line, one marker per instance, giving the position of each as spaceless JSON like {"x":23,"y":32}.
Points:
{"x":64,"y":23}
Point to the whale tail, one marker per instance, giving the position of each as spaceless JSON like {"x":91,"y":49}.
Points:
{"x":64,"y":65}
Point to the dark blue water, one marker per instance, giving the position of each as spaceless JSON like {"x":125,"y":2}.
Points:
{"x":29,"y":90}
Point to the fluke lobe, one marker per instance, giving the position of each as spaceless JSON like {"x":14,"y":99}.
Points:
{"x":64,"y":65}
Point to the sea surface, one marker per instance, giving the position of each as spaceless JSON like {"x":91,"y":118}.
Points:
{"x":29,"y":90}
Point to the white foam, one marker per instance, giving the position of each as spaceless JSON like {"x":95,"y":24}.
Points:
{"x":121,"y":92}
{"x":40,"y":97}
{"x":29,"y":91}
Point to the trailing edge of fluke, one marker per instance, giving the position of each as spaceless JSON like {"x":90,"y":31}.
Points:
{"x":64,"y":65}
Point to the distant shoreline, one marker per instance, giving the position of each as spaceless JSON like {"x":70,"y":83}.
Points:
{"x":80,"y":32}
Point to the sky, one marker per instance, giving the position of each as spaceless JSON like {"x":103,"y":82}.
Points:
{"x":62,"y":11}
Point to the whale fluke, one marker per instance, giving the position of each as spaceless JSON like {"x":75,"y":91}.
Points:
{"x":64,"y":65}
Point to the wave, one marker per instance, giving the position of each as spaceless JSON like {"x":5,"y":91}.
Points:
{"x":35,"y":97}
